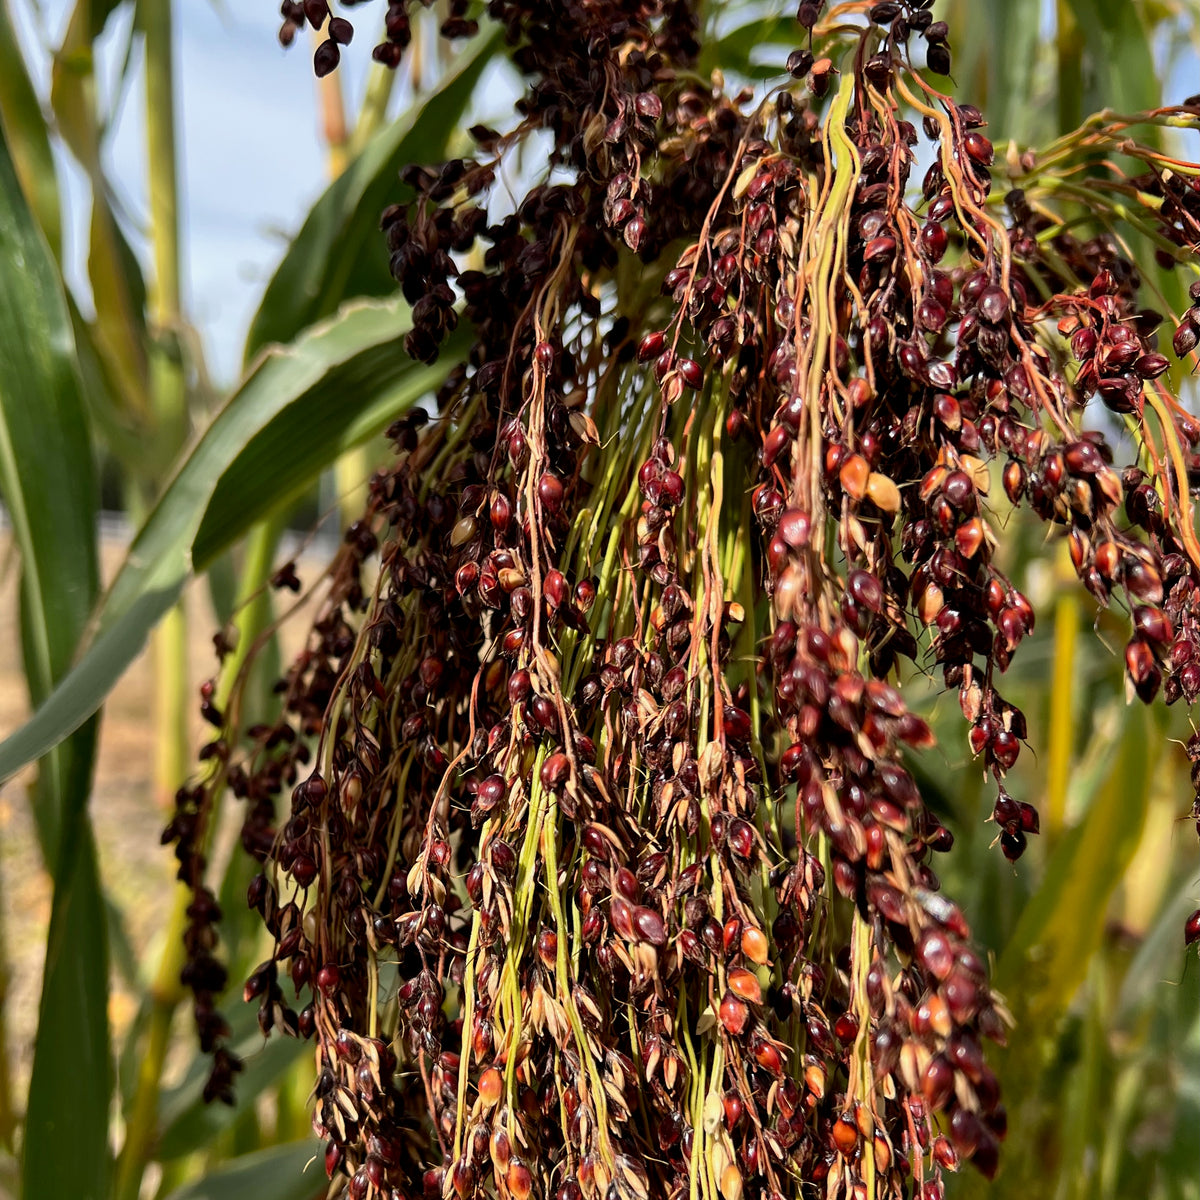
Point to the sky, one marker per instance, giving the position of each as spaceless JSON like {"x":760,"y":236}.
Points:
{"x":252,"y":158}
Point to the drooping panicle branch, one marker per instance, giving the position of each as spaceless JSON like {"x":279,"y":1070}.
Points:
{"x":608,"y":874}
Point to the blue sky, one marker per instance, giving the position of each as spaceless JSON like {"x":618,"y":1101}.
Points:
{"x":252,"y":158}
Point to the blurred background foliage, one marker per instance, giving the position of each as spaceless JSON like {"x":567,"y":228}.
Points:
{"x":1102,"y":1074}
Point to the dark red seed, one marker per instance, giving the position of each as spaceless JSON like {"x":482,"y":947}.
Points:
{"x":1139,"y":660}
{"x":625,"y":882}
{"x":672,"y":487}
{"x":866,"y":590}
{"x":651,"y":345}
{"x":937,"y":1083}
{"x":547,"y":947}
{"x":333,"y":1158}
{"x":545,"y":713}
{"x":1191,"y":929}
{"x":882,"y":247}
{"x":554,"y":587}
{"x":1151,"y":366}
{"x":620,"y":913}
{"x":326,"y":58}
{"x":978,"y":148}
{"x":1005,"y":749}
{"x":550,"y":491}
{"x":519,"y":686}
{"x":691,"y":372}
{"x":773,"y":446}
{"x":936,"y":953}
{"x":304,"y":870}
{"x":934,"y":240}
{"x":555,"y":771}
{"x":1143,"y":581}
{"x":965,"y":1131}
{"x":993,"y":304}
{"x":585,"y":595}
{"x":501,"y":513}
{"x":734,"y":1013}
{"x":649,"y":926}
{"x":931,"y":315}
{"x":1153,"y":624}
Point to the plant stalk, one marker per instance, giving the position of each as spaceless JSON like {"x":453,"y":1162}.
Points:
{"x":373,"y":113}
{"x":168,"y":385}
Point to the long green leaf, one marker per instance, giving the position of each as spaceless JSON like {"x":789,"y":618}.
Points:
{"x":189,"y":1124}
{"x":47,"y":478}
{"x":339,"y":252}
{"x":113,"y":271}
{"x":376,"y":387}
{"x":1056,"y":943}
{"x":1121,"y":72}
{"x":1001,"y":83}
{"x":48,"y":482}
{"x":274,"y":434}
{"x":28,"y":141}
{"x":275,"y":1174}
{"x":1047,"y":959}
{"x":66,"y":1124}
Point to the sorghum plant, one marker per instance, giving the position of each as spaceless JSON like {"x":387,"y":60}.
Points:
{"x":603,"y":874}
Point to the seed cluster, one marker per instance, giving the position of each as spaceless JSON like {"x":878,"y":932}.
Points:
{"x":603,"y":873}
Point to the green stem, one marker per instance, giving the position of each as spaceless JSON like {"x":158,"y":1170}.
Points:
{"x":169,"y":399}
{"x":171,"y":696}
{"x":165,"y":301}
{"x":166,"y":991}
{"x":168,"y":386}
{"x":374,"y":107}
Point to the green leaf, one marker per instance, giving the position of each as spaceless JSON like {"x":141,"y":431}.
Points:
{"x":286,"y":456}
{"x":291,"y":1172}
{"x":117,"y":286}
{"x":1001,"y":82}
{"x":189,"y":1124}
{"x":339,"y":252}
{"x":48,"y":482}
{"x":66,"y":1124}
{"x":222,"y":586}
{"x":47,"y":479}
{"x":1119,"y":72}
{"x":24,"y":127}
{"x":273,"y":436}
{"x":733,"y":52}
{"x":1062,"y":926}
